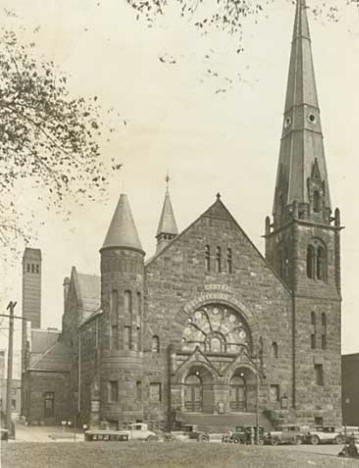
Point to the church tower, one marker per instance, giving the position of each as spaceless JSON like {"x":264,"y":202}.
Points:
{"x":302,"y":241}
{"x":167,"y":226}
{"x":122,"y":286}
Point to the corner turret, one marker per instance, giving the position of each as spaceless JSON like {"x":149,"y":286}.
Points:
{"x":122,"y":289}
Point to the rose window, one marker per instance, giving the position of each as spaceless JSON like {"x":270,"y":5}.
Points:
{"x":216,"y":328}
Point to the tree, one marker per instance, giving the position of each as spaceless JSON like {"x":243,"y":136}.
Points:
{"x":46,"y":136}
{"x":227,"y":15}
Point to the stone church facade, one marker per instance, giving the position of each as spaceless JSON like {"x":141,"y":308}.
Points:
{"x":208,"y":327}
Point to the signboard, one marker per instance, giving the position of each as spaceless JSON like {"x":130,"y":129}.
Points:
{"x":95,"y":406}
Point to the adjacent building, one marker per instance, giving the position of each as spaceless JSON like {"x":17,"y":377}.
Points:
{"x":208,"y":327}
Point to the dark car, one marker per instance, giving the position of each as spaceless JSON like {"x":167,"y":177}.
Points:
{"x":194,"y":433}
{"x":245,"y":435}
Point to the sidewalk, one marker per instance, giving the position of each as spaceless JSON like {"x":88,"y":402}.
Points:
{"x":43,"y":433}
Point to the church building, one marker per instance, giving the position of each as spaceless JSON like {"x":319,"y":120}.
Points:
{"x":208,"y":330}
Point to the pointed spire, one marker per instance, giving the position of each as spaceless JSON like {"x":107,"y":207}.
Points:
{"x":302,"y":139}
{"x":167,"y":226}
{"x":122,"y":231}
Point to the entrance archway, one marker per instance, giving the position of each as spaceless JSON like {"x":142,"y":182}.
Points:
{"x":238,"y":393}
{"x":198,"y":390}
{"x":242,"y":390}
{"x":193,"y":394}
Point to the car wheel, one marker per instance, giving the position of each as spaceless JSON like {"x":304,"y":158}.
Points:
{"x":314,"y":440}
{"x":236,"y":441}
{"x":274,"y":442}
{"x":298,"y":441}
{"x":152,"y":438}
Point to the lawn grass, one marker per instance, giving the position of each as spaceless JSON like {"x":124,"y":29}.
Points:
{"x":160,"y":455}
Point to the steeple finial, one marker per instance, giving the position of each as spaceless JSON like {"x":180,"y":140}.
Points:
{"x":167,"y":226}
{"x":302,"y":139}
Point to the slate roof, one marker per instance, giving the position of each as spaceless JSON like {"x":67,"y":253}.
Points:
{"x":43,"y":339}
{"x":167,"y":224}
{"x":302,"y":140}
{"x":56,"y":359}
{"x":88,"y":290}
{"x":122,"y":231}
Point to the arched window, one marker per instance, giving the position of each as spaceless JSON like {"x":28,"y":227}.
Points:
{"x":155,"y":344}
{"x":314,"y":330}
{"x":128,"y":303}
{"x":127,"y":338}
{"x":316,"y":201}
{"x":275,"y":349}
{"x":310,"y":261}
{"x":321,"y":263}
{"x":229,"y":260}
{"x":139,"y":320}
{"x":218,"y":260}
{"x":114,"y":342}
{"x":324,"y":331}
{"x":207,"y":258}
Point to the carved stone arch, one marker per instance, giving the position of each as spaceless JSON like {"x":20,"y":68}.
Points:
{"x":226,"y":298}
{"x":197,"y":359}
{"x":239,"y":362}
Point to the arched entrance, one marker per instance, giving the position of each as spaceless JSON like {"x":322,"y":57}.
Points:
{"x":242,"y":390}
{"x":238,"y":394}
{"x":198,"y":390}
{"x":193,"y":394}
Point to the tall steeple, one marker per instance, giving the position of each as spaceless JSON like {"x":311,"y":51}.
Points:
{"x":167,"y":227}
{"x":122,"y":231}
{"x":302,"y":175}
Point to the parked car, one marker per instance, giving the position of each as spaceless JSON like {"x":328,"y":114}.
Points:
{"x":288,"y":434}
{"x":325,"y":435}
{"x":136,"y":431}
{"x":194,"y":433}
{"x":244,"y":435}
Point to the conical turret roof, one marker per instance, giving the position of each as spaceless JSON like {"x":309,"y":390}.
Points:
{"x":167,"y":224}
{"x":122,"y":231}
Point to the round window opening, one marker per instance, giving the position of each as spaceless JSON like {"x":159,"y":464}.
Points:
{"x":311,"y":118}
{"x":287,"y":122}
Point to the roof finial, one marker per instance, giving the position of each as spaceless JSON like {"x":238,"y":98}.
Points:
{"x":218,"y":196}
{"x":167,"y":179}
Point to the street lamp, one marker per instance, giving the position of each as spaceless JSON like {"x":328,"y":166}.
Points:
{"x":254,"y":360}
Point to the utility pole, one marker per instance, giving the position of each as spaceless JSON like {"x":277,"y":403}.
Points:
{"x":10,"y":308}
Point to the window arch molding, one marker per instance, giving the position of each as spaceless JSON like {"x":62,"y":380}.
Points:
{"x":317,"y":260}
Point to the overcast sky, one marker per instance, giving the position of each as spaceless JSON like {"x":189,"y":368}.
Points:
{"x":212,"y":133}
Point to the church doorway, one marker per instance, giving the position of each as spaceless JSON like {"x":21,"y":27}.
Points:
{"x":238,"y":393}
{"x":198,"y":390}
{"x":242,"y":388}
{"x":193,"y":393}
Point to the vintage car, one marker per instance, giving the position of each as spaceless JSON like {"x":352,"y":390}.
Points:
{"x":325,"y":435}
{"x":288,"y":434}
{"x":136,"y":431}
{"x":193,"y":433}
{"x":244,"y":435}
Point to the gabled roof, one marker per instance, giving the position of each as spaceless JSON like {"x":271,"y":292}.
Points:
{"x":57,"y":358}
{"x":43,"y":339}
{"x":217,"y":210}
{"x":87,"y":290}
{"x":122,"y":231}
